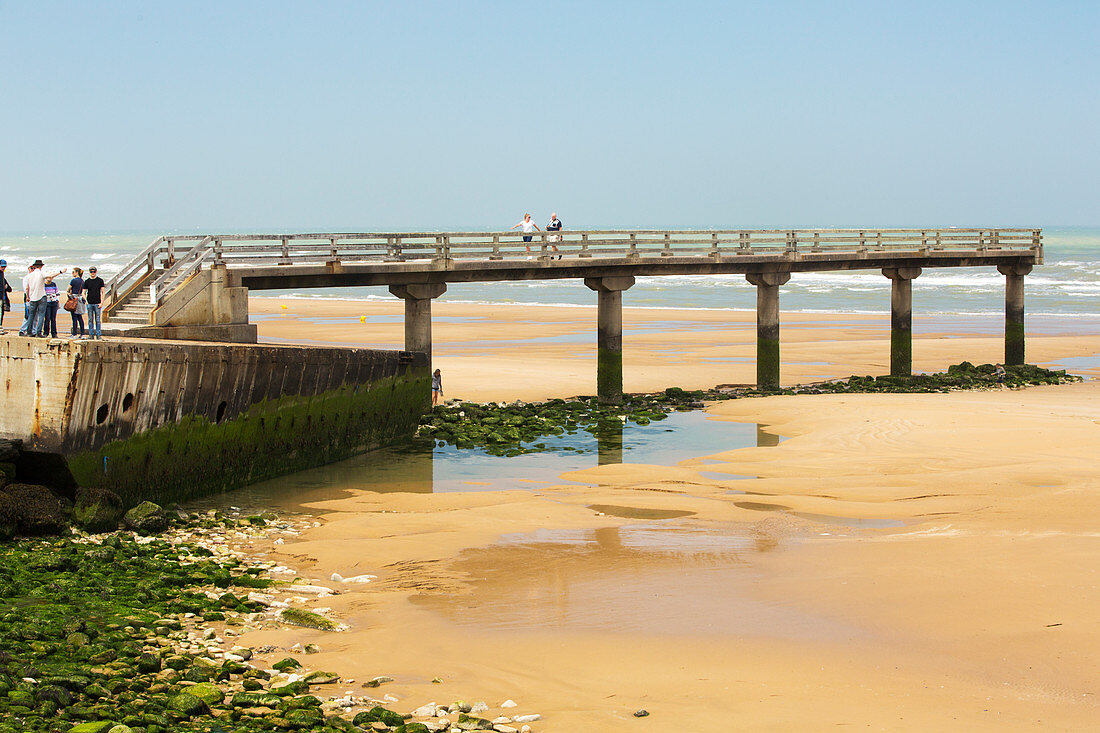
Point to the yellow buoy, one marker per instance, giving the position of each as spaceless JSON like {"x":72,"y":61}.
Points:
{"x":362,"y":319}
{"x":283,"y":307}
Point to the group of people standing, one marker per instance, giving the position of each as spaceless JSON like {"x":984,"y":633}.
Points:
{"x":42,"y":298}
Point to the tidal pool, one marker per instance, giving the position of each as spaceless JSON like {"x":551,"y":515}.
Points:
{"x":420,"y":466}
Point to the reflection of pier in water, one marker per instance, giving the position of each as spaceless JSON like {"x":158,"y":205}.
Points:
{"x":420,"y":467}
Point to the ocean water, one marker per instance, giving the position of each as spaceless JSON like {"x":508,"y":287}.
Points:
{"x":1067,"y":285}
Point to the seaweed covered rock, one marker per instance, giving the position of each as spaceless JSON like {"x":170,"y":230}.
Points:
{"x":378,"y":714}
{"x":187,"y":704}
{"x":97,"y":510}
{"x":37,"y":510}
{"x":98,"y":726}
{"x":208,"y":693}
{"x":146,"y":518}
{"x":308,"y":619}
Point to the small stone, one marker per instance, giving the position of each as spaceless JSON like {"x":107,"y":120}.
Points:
{"x":501,"y":728}
{"x":479,"y":707}
{"x":529,"y":718}
{"x":437,"y":680}
{"x":426,"y":711}
{"x":508,"y":704}
{"x":640,"y":713}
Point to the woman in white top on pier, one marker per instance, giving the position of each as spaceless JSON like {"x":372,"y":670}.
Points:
{"x":529,"y":226}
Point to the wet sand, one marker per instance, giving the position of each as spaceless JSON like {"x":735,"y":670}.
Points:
{"x":901,"y":561}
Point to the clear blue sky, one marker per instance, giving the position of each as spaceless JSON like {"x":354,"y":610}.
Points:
{"x":405,"y":115}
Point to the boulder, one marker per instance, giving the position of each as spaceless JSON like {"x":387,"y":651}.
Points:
{"x":146,"y":518}
{"x":37,"y":510}
{"x":97,"y":510}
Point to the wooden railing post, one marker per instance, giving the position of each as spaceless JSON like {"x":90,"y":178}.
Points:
{"x":584,"y":246}
{"x":496,"y":255}
{"x":667,"y":250}
{"x":285,"y":258}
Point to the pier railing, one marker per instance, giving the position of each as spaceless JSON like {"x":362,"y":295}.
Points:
{"x":170,"y":260}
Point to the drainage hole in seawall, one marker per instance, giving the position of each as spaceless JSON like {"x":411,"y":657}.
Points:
{"x":101,"y":414}
{"x":221,"y":412}
{"x":127,"y":402}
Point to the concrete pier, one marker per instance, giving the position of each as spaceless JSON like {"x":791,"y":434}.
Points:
{"x":901,"y":318}
{"x":418,"y":313}
{"x":767,"y":326}
{"x":1014,"y":311}
{"x":609,"y":339}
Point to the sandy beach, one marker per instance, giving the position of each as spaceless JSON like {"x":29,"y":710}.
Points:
{"x":537,"y":352}
{"x":907,"y":562}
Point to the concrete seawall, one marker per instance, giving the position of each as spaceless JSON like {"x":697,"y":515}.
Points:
{"x":172,"y":421}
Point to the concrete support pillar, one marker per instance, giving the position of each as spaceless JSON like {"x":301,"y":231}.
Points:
{"x":1014,"y":311}
{"x":418,"y":313}
{"x":609,"y":342}
{"x":901,"y":318}
{"x":767,"y":326}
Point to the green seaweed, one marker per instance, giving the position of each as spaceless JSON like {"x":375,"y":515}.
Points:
{"x":79,"y":618}
{"x":196,"y":457}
